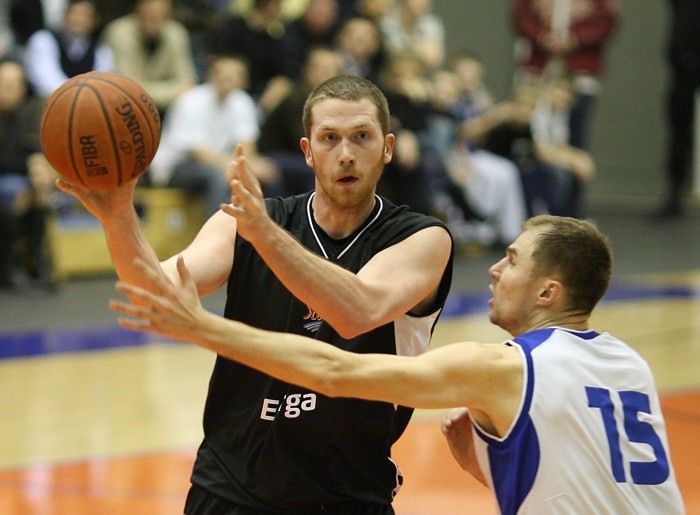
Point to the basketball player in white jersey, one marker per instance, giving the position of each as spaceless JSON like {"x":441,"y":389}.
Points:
{"x":559,"y":419}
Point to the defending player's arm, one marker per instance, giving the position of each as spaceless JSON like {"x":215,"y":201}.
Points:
{"x":400,"y":279}
{"x":485,"y":377}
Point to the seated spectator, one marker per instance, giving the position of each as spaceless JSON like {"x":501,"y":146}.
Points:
{"x":201,"y":18}
{"x":201,"y":131}
{"x":490,"y":184}
{"x":153,"y":49}
{"x":412,"y":175}
{"x":260,"y":35}
{"x":551,"y":130}
{"x":507,"y":131}
{"x":373,"y":10}
{"x":411,"y":26}
{"x":283,"y":129}
{"x":8,"y":44}
{"x":26,"y":182}
{"x":417,"y":175}
{"x":359,"y":43}
{"x":317,"y":26}
{"x":54,"y":56}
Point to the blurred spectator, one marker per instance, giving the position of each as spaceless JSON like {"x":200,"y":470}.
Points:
{"x":8,"y":46}
{"x":28,"y":16}
{"x":417,"y":175}
{"x":201,"y":130}
{"x":110,"y":10}
{"x":289,"y":9}
{"x":282,"y":130}
{"x":550,"y":129}
{"x":54,"y":56}
{"x":360,"y":45}
{"x":412,"y":27}
{"x":683,"y":55}
{"x":153,"y":49}
{"x":414,"y":175}
{"x":490,"y":184}
{"x":202,"y":18}
{"x":373,"y":10}
{"x":26,"y":182}
{"x":566,"y":37}
{"x":260,"y":36}
{"x":507,"y":131}
{"x":317,"y":26}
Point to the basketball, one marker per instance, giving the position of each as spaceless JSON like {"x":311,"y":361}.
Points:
{"x":100,"y":130}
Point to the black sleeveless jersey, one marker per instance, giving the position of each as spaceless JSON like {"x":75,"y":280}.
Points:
{"x":274,"y":447}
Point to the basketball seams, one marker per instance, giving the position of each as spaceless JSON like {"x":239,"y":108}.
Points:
{"x":46,"y":116}
{"x":99,"y":76}
{"x":69,"y":132}
{"x":114,"y":141}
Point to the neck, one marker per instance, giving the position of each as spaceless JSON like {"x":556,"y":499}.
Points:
{"x":573,"y":321}
{"x":339,"y":222}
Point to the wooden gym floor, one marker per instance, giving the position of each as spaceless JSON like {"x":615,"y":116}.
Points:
{"x":100,"y":420}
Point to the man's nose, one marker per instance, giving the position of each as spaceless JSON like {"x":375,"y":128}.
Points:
{"x":347,"y":154}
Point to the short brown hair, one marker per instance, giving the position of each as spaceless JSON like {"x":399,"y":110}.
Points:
{"x":578,"y":251}
{"x":351,"y":88}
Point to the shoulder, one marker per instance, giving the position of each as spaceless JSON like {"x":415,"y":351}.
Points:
{"x":402,"y":222}
{"x":197,"y":97}
{"x":42,"y":37}
{"x":122,"y":24}
{"x":240,"y":99}
{"x":175,"y":30}
{"x":283,"y":209}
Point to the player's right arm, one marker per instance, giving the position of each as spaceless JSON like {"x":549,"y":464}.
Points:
{"x":210,"y":255}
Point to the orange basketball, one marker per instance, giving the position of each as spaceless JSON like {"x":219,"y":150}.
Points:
{"x":100,"y":130}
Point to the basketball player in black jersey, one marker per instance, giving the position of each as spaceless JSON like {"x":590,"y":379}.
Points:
{"x":339,"y":264}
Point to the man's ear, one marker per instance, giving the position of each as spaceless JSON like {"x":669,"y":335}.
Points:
{"x":389,"y":142}
{"x":305,"y":145}
{"x":551,"y":292}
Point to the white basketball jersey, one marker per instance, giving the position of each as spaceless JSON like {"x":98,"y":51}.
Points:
{"x":589,"y":438}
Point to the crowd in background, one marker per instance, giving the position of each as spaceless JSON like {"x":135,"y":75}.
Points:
{"x":226,"y":73}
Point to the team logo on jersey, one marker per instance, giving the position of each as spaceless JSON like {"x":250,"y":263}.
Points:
{"x":291,"y":406}
{"x":314,"y":321}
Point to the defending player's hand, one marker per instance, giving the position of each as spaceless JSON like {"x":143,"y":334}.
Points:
{"x":174,"y":311}
{"x":457,"y":427}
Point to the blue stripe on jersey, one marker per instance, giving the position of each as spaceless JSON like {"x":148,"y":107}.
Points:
{"x":514,"y":460}
{"x":514,"y":473}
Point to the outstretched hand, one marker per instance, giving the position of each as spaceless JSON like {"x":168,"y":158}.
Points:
{"x":171,"y":310}
{"x":247,"y":201}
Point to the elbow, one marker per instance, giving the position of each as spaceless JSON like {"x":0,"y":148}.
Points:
{"x":349,"y":331}
{"x":355,"y":326}
{"x":356,"y":322}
